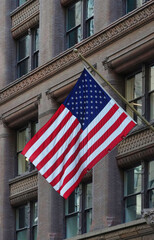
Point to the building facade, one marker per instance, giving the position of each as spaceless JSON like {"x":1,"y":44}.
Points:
{"x":38,"y":68}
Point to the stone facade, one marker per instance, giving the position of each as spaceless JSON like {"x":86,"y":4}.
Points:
{"x":121,"y":43}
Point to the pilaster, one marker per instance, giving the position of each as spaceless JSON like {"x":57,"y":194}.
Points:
{"x":50,"y":208}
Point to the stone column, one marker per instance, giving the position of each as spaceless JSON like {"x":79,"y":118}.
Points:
{"x":50,"y":204}
{"x":51,"y":30}
{"x":106,"y":12}
{"x":7,"y":163}
{"x":6,"y":45}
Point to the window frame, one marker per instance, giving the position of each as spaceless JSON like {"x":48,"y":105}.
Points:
{"x":126,"y":3}
{"x":83,"y":22}
{"x":32,"y":52}
{"x":82,"y":227}
{"x":29,"y":205}
{"x":31,"y":128}
{"x":146,"y":93}
{"x":145,"y":190}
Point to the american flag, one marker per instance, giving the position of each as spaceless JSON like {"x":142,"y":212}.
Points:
{"x":83,"y":130}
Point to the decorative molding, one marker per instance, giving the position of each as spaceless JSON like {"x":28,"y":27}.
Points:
{"x":25,"y":18}
{"x":23,"y":188}
{"x":135,"y":148}
{"x":116,"y":30}
{"x":18,"y":115}
{"x":148,"y":215}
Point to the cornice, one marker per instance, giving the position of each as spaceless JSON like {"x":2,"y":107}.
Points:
{"x":136,"y":147}
{"x":23,"y":188}
{"x":24,"y":18}
{"x":87,"y":47}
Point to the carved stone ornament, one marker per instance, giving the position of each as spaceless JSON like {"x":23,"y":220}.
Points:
{"x":23,"y":188}
{"x":25,"y":18}
{"x":148,"y":215}
{"x":136,"y":147}
{"x":88,"y":46}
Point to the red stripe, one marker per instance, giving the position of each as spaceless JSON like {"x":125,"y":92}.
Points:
{"x":51,"y":137}
{"x":61,"y":158}
{"x":59,"y":143}
{"x":84,"y":142}
{"x":99,"y":157}
{"x":43,"y":129}
{"x":94,"y":147}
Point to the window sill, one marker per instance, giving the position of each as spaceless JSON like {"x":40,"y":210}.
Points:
{"x":117,"y":231}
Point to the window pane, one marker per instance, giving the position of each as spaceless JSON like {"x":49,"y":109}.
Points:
{"x":88,"y":219}
{"x":133,"y":208}
{"x":139,"y":3}
{"x":151,"y":175}
{"x":151,"y":106}
{"x":129,"y":89}
{"x":131,"y":5}
{"x":35,"y":233}
{"x":22,"y":235}
{"x":151,"y":199}
{"x":72,"y":202}
{"x":132,"y":180}
{"x":22,"y":164}
{"x":35,"y":216}
{"x":74,"y":36}
{"x":88,"y":196}
{"x":22,"y":2}
{"x":90,"y":8}
{"x":72,"y":226}
{"x":21,"y":217}
{"x":36,"y":59}
{"x":90,"y":27}
{"x":151,"y":78}
{"x":74,"y":15}
{"x":21,"y":139}
{"x":23,"y":68}
{"x":151,"y":87}
{"x":23,"y":47}
{"x":36,"y":39}
{"x":138,"y":85}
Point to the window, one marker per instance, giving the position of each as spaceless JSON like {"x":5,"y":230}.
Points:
{"x":22,"y":222}
{"x":138,"y":190}
{"x":20,"y":2}
{"x":23,"y":136}
{"x":79,"y":21}
{"x":78,"y":210}
{"x":25,"y":228}
{"x":139,"y":91}
{"x":27,"y":52}
{"x":132,"y":4}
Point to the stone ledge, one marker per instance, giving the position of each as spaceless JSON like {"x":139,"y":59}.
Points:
{"x":131,"y":230}
{"x":23,"y":188}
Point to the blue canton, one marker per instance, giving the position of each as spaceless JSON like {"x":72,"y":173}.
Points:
{"x":87,"y":99}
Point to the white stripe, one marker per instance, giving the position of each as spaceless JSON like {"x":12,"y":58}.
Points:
{"x":82,"y":136}
{"x":60,"y":151}
{"x":47,"y":133}
{"x":60,"y":134}
{"x":94,"y":154}
{"x":101,"y":131}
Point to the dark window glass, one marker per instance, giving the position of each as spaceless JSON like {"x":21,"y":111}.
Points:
{"x":151,"y":92}
{"x":137,"y":182}
{"x":22,"y":222}
{"x":79,"y":21}
{"x":132,"y":4}
{"x":20,"y":2}
{"x":132,"y":188}
{"x":72,"y":213}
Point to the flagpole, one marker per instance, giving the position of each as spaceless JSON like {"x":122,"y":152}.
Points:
{"x":120,"y":96}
